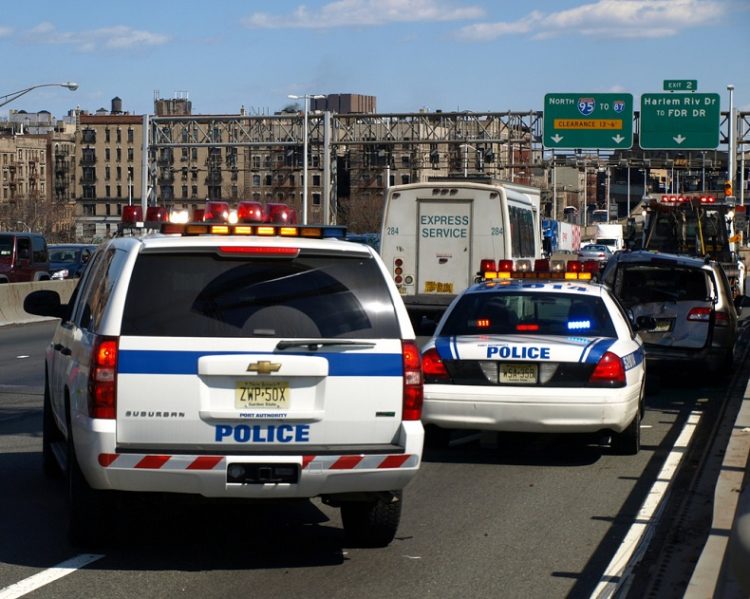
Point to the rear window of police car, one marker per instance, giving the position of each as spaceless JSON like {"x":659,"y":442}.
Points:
{"x":529,"y":313}
{"x":202,"y":294}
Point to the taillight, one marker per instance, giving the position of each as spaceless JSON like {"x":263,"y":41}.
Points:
{"x":103,"y":379}
{"x":699,"y":314}
{"x":609,"y":371}
{"x":413,"y":388}
{"x":722,"y":319}
{"x":433,"y":366}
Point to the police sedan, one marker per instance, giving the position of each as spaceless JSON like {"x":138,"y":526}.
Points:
{"x":536,"y":356}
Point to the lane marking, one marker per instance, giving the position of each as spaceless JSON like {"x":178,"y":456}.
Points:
{"x":36,"y":581}
{"x":623,"y":562}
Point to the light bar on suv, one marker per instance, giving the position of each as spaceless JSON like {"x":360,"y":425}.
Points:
{"x":265,"y":230}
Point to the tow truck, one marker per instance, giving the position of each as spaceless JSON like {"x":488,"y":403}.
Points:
{"x":696,"y":225}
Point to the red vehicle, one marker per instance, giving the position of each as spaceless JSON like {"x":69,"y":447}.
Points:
{"x":23,"y":257}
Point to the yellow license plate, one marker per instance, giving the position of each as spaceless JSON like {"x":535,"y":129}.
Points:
{"x":518,"y":374}
{"x":262,"y":394}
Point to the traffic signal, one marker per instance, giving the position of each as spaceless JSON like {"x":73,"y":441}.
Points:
{"x":728,"y":191}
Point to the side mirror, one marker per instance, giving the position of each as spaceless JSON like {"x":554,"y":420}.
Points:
{"x":645,"y":323}
{"x":45,"y":303}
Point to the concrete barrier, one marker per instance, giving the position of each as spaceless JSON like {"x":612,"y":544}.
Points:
{"x":12,"y":296}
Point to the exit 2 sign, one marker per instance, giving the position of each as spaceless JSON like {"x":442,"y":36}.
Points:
{"x":680,"y":85}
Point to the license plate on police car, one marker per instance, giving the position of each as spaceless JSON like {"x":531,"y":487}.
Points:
{"x":518,"y":374}
{"x":262,"y":394}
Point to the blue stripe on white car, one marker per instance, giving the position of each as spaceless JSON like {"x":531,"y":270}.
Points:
{"x":186,"y":362}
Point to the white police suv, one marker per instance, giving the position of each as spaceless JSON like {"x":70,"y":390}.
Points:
{"x":535,"y":355}
{"x":234,"y":361}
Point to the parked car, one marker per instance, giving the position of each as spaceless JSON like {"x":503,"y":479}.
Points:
{"x":23,"y":257}
{"x":67,"y":260}
{"x":690,"y":302}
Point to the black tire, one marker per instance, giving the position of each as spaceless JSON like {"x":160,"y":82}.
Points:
{"x":50,"y":434}
{"x":372,"y":523}
{"x":87,"y":507}
{"x":628,"y":442}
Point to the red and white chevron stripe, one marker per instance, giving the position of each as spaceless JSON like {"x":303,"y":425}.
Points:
{"x":309,"y":462}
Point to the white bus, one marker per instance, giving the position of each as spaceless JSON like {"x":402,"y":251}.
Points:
{"x":436,"y":234}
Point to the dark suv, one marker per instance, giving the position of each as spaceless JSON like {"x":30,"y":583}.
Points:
{"x":694,"y":319}
{"x":23,"y":257}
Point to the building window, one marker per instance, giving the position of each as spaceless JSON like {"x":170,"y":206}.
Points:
{"x":119,"y":136}
{"x":119,"y":191}
{"x":107,"y":173}
{"x":194,"y":191}
{"x":184,"y":191}
{"x":88,"y":136}
{"x":108,"y":191}
{"x":130,"y":154}
{"x":316,"y":180}
{"x":107,"y":154}
{"x":405,"y":179}
{"x":118,"y":155}
{"x":106,"y":135}
{"x":194,"y":153}
{"x":184,"y":155}
{"x":118,"y":173}
{"x":256,"y":180}
{"x":89,"y":192}
{"x":89,"y":210}
{"x":131,"y":136}
{"x":316,"y":199}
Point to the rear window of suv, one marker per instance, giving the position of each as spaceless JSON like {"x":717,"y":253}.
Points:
{"x":637,"y":284}
{"x":202,"y":294}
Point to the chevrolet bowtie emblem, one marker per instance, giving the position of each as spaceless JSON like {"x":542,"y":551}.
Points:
{"x":263,"y":367}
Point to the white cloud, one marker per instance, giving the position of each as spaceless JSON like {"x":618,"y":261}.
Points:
{"x":348,"y":13}
{"x":606,"y":19}
{"x":112,"y":38}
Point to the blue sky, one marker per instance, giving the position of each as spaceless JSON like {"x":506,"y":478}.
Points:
{"x":478,"y":55}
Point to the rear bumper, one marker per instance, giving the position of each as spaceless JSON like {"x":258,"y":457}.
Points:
{"x":206,"y":474}
{"x":537,"y":410}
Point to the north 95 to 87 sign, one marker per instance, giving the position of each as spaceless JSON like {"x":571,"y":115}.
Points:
{"x":573,"y":121}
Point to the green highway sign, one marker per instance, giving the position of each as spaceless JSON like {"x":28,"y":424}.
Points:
{"x":679,"y":121}
{"x":680,"y":85}
{"x":588,"y":121}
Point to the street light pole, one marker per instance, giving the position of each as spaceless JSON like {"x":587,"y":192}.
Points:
{"x":8,"y":98}
{"x":305,"y":98}
{"x":731,"y":154}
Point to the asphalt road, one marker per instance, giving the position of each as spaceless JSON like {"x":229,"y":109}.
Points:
{"x":509,"y":516}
